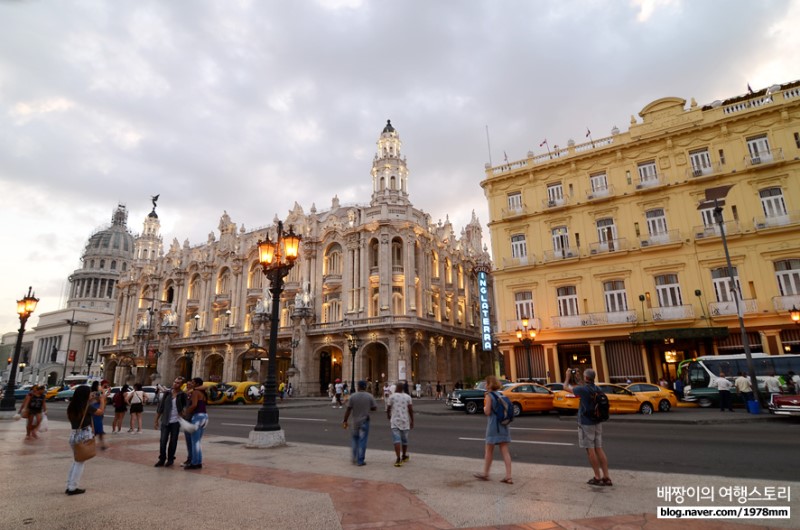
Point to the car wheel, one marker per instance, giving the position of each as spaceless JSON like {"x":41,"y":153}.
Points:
{"x":664,"y":406}
{"x":705,"y":402}
{"x":646,"y":408}
{"x":471,"y":407}
{"x":517,"y":409}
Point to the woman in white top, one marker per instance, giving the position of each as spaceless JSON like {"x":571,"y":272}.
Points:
{"x":136,"y":400}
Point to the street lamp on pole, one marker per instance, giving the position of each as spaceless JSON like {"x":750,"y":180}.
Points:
{"x":715,"y":195}
{"x":526,"y":336}
{"x":89,"y":361}
{"x":25,"y":308}
{"x":277,"y":259}
{"x":354,"y":343}
{"x":794,"y":314}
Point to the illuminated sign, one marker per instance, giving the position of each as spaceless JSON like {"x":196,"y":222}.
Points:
{"x":486,"y":325}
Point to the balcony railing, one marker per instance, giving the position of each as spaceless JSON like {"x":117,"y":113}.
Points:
{"x":557,"y":255}
{"x":512,"y":325}
{"x":605,"y":247}
{"x":788,"y":218}
{"x":599,"y":193}
{"x":507,"y":213}
{"x":677,"y":312}
{"x":786,"y":303}
{"x":556,"y":203}
{"x":664,"y":238}
{"x":518,"y":262}
{"x":595,"y":319}
{"x":776,"y":155}
{"x":705,"y":232}
{"x":652,"y":181}
{"x":719,"y":309}
{"x":698,"y":172}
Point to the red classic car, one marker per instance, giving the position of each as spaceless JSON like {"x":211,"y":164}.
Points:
{"x":785,"y":404}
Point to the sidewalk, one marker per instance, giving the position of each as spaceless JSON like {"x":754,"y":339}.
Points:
{"x":303,"y":486}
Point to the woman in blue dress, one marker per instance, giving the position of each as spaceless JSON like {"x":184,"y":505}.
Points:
{"x":496,"y":434}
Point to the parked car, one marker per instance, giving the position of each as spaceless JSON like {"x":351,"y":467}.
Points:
{"x":620,"y":399}
{"x":245,"y":392}
{"x":661,"y":398}
{"x":785,"y":405}
{"x":66,"y":394}
{"x":470,"y":400}
{"x":529,"y":397}
{"x":20,"y":392}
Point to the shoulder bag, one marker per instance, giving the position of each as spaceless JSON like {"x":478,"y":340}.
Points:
{"x":84,"y":450}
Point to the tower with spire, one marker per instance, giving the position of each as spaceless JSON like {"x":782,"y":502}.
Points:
{"x":389,"y":170}
{"x":148,"y":244}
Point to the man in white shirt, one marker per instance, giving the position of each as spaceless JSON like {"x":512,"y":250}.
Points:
{"x":401,"y":416}
{"x":773,"y":385}
{"x":724,"y":386}
{"x":743,"y":387}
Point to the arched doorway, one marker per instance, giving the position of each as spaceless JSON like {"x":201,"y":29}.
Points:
{"x":184,"y":365}
{"x":375,"y":363}
{"x":214,"y":366}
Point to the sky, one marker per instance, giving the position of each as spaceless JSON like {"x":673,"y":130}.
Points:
{"x":249,"y":106}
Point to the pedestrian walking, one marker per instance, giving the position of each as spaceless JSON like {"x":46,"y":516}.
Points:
{"x":94,"y":403}
{"x":724,"y":387}
{"x":418,"y":390}
{"x":80,"y":419}
{"x":590,"y":432}
{"x":338,"y":388}
{"x":120,"y":408}
{"x":438,"y":390}
{"x":359,"y":406}
{"x":168,"y":411}
{"x":196,"y":413}
{"x":35,"y":406}
{"x":496,"y":433}
{"x":400,"y":412}
{"x":136,"y":400}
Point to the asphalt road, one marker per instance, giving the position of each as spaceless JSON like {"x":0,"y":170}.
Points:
{"x":763,"y":450}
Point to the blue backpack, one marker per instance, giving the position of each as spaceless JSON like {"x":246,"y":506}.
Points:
{"x":502,"y":409}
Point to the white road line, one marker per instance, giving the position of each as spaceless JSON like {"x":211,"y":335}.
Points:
{"x":282,"y":418}
{"x":548,"y":430}
{"x":519,"y":441}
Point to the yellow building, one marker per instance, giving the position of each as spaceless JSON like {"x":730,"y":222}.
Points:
{"x":612,"y":249}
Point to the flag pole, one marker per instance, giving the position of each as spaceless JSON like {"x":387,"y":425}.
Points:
{"x":489,"y":146}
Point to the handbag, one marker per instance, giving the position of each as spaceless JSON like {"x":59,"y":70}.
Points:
{"x":85,"y":449}
{"x":23,"y":412}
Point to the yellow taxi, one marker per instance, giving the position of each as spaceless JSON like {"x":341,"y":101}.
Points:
{"x":247,"y":392}
{"x":216,"y":393}
{"x":51,"y":392}
{"x":620,"y":400}
{"x":528,"y":397}
{"x":662,"y":399}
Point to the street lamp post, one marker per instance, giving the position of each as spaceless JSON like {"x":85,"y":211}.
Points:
{"x":277,"y":259}
{"x":715,"y":195}
{"x":25,"y":308}
{"x":794,"y":314}
{"x":89,"y":361}
{"x":354,"y":343}
{"x":526,"y":336}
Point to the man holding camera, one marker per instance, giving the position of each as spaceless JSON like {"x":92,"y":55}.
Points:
{"x":590,"y":432}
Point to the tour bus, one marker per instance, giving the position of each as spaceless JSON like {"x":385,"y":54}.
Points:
{"x":696,"y":373}
{"x":73,"y":380}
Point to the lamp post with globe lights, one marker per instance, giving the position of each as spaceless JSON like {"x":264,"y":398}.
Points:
{"x":526,"y":336}
{"x":277,"y":258}
{"x":25,"y":308}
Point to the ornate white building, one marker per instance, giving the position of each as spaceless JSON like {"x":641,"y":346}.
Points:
{"x":384,"y":272}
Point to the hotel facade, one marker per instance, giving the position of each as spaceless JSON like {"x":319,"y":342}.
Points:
{"x":612,"y":249}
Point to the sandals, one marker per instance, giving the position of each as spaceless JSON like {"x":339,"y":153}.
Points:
{"x":600,"y":482}
{"x":606,"y":482}
{"x":507,"y":481}
{"x":480,"y":476}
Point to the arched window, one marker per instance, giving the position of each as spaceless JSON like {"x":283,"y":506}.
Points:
{"x":113,"y":265}
{"x":434,"y":265}
{"x":332,"y":263}
{"x":393,"y":183}
{"x":254,"y":276}
{"x":124,"y":267}
{"x":102,"y":264}
{"x":398,"y":301}
{"x":224,"y":282}
{"x":374,"y":254}
{"x":397,"y":255}
{"x":194,"y":287}
{"x":448,"y":271}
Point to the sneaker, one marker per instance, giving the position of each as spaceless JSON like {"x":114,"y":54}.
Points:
{"x":169,"y":463}
{"x":160,"y":463}
{"x":193,"y":466}
{"x":405,"y":458}
{"x":186,"y":463}
{"x":76,"y":491}
{"x":398,"y":463}
{"x":130,"y":431}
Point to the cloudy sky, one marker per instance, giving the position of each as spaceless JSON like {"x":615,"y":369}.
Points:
{"x":248,"y":106}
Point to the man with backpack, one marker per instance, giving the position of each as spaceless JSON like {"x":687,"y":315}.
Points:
{"x":593,"y":411}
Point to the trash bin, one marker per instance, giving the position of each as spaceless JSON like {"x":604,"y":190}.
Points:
{"x":753,"y":407}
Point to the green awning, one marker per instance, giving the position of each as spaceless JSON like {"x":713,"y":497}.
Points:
{"x":679,"y":333}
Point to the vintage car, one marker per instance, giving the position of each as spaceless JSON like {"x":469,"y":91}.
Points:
{"x":785,"y":404}
{"x":469,"y":399}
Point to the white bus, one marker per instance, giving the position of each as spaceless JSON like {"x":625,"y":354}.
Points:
{"x":696,"y":373}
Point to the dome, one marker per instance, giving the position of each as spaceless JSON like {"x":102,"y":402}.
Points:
{"x":114,"y":240}
{"x":388,"y":128}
